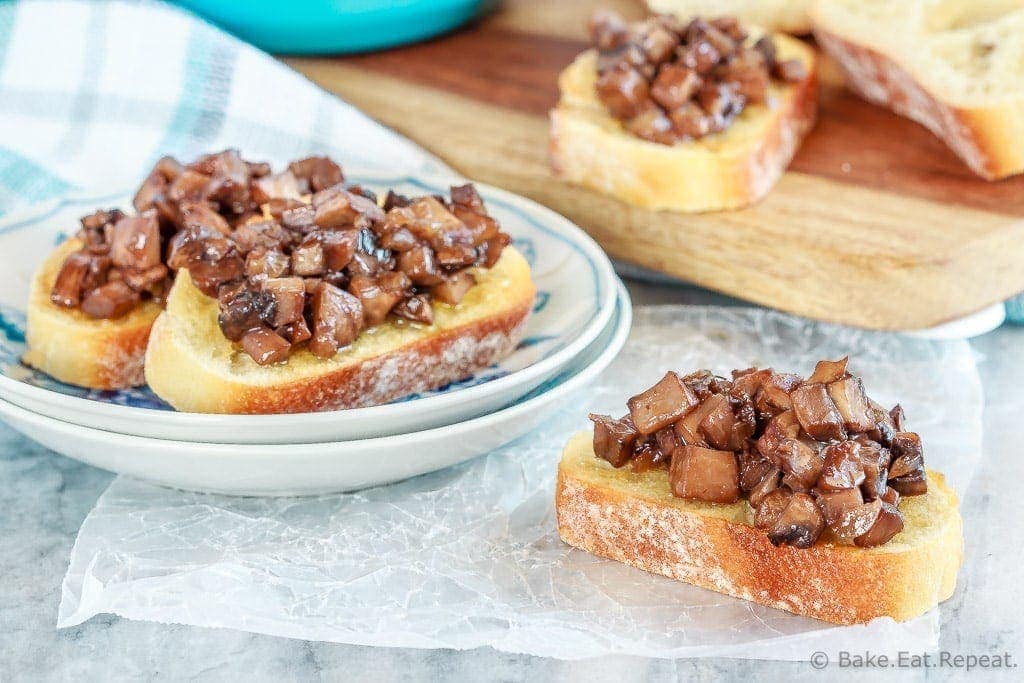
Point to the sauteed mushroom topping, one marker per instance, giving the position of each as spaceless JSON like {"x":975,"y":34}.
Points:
{"x":292,"y":258}
{"x":814,"y":458}
{"x":669,"y":81}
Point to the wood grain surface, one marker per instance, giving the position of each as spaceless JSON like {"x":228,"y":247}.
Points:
{"x":876,"y":224}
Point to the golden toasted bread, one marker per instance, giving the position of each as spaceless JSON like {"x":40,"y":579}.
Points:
{"x":67,"y":344}
{"x":725,"y":170}
{"x":192,"y":366}
{"x":634,"y":518}
{"x":953,"y":67}
{"x":788,"y":16}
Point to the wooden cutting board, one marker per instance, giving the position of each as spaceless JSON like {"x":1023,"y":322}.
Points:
{"x":876,"y":224}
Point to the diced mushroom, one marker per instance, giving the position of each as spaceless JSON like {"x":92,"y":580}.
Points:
{"x":454,"y":288}
{"x":908,"y":455}
{"x":667,"y":440}
{"x":613,"y":439}
{"x":910,"y":484}
{"x":647,"y":456}
{"x":747,"y":383}
{"x":339,"y":246}
{"x":898,"y":417}
{"x":337,"y":320}
{"x":261,"y":263}
{"x":847,"y":515}
{"x":719,"y":422}
{"x":769,"y":483}
{"x":143,"y":280}
{"x":652,"y":123}
{"x":67,"y":288}
{"x":661,"y":405}
{"x":771,"y":507}
{"x":704,"y":474}
{"x":299,"y":218}
{"x":827,"y":371}
{"x":701,"y":56}
{"x":704,"y":383}
{"x":265,"y":346}
{"x":748,"y":70}
{"x":415,"y":308}
{"x":377,"y":300}
{"x":318,"y":172}
{"x":398,"y":239}
{"x":296,"y":332}
{"x":690,"y":122}
{"x":190,"y":186}
{"x":800,"y":523}
{"x":109,"y":301}
{"x":888,"y":524}
{"x":259,"y":233}
{"x":885,"y":427}
{"x":420,"y":264}
{"x":674,"y":86}
{"x":337,"y":208}
{"x":135,"y":242}
{"x":843,"y":467}
{"x":891,"y":496}
{"x":456,"y":255}
{"x":816,"y":412}
{"x":241,"y":311}
{"x":753,"y":466}
{"x":308,"y":258}
{"x":801,"y":462}
{"x":607,"y":29}
{"x":202,"y":214}
{"x":623,"y":90}
{"x":779,"y":428}
{"x":773,"y":398}
{"x":289,"y":297}
{"x":852,"y":403}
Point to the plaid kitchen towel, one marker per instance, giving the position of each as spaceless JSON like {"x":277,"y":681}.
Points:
{"x":92,"y":93}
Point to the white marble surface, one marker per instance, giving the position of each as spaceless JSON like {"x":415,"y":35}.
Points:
{"x":44,"y":497}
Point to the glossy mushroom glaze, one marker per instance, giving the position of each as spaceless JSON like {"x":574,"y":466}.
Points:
{"x":807,"y":454}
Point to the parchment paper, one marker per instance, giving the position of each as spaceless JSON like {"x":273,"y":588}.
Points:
{"x":469,"y":556}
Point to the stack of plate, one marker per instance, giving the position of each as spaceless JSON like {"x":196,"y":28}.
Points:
{"x":580,"y":321}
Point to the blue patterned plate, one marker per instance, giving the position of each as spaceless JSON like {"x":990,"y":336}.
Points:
{"x":576,"y":293}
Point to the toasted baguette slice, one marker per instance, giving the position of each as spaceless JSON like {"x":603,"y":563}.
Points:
{"x":192,"y":366}
{"x":954,"y":67}
{"x":633,"y":518}
{"x":788,"y":16}
{"x":724,"y":170}
{"x":74,"y":348}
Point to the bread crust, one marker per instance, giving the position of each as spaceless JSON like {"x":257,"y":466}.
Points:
{"x":727,"y":170}
{"x":76,"y":349}
{"x":985,"y":138}
{"x":607,"y":516}
{"x":190,"y":365}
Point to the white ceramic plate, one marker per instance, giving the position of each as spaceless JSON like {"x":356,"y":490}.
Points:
{"x":325,"y":467}
{"x":576,"y":292}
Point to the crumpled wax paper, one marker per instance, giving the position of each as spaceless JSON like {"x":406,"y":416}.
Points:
{"x":470,"y":556}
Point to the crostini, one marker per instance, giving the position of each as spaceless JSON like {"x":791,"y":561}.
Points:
{"x":799,"y":494}
{"x":292,"y":291}
{"x":698,"y":116}
{"x":787,"y":16}
{"x":954,"y":67}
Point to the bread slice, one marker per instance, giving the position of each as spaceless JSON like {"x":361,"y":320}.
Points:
{"x":74,"y":348}
{"x":788,"y":16}
{"x":192,"y":366}
{"x":954,"y":67}
{"x":633,"y":518}
{"x":724,"y":170}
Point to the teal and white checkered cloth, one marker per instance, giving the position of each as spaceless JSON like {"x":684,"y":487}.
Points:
{"x":92,"y":93}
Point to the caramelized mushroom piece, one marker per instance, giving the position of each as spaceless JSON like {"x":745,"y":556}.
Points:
{"x":800,"y":523}
{"x":377,"y":300}
{"x":421,"y":266}
{"x":144,"y":280}
{"x":262,"y":263}
{"x":308,"y":258}
{"x":843,"y":467}
{"x":259,"y":233}
{"x":337,"y":320}
{"x":194,"y":214}
{"x":415,"y":308}
{"x":667,"y":440}
{"x":753,"y":467}
{"x":278,"y":186}
{"x":847,"y":515}
{"x":454,"y":288}
{"x":747,"y":383}
{"x":265,"y":346}
{"x":779,"y":429}
{"x":674,"y":86}
{"x":289,"y":295}
{"x":719,"y":422}
{"x":773,"y":397}
{"x":339,"y":247}
{"x":771,"y":507}
{"x":908,"y":456}
{"x":704,"y":474}
{"x":242,"y":310}
{"x":647,"y":456}
{"x":769,"y":483}
{"x":852,"y":403}
{"x":296,"y":332}
{"x":816,"y":412}
{"x":910,"y":484}
{"x":623,"y":90}
{"x":109,"y":301}
{"x":135,"y":242}
{"x":888,"y":524}
{"x":67,"y":288}
{"x":613,"y":439}
{"x":318,"y":172}
{"x":827,"y":371}
{"x":801,"y":462}
{"x":661,"y":405}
